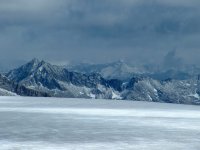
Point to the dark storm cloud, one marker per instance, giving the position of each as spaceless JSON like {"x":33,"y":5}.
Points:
{"x":98,"y":30}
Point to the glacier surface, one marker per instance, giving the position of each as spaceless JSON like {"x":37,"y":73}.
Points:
{"x":86,"y":124}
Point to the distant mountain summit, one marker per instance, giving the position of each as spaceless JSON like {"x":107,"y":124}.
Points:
{"x":36,"y":73}
{"x":124,"y":70}
{"x":115,"y":70}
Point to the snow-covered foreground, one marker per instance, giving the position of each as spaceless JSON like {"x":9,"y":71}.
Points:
{"x":78,"y":124}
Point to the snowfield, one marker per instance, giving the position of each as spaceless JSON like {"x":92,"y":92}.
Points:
{"x":81,"y":124}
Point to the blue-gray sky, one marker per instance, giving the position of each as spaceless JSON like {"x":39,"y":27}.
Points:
{"x":98,"y":30}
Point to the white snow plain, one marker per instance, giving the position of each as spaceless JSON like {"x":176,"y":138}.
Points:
{"x":80,"y":124}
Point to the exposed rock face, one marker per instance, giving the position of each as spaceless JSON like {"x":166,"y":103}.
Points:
{"x":17,"y":89}
{"x":171,"y":91}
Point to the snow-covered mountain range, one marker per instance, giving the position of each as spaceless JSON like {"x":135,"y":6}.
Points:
{"x":39,"y":78}
{"x":115,"y":70}
{"x":125,"y":70}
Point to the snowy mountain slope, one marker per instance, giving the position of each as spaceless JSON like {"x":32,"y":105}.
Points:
{"x":58,"y":81}
{"x":4,"y":92}
{"x":9,"y":87}
{"x":173,"y":91}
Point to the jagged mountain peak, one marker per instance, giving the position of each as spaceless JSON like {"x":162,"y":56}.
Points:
{"x":30,"y":69}
{"x":35,"y":60}
{"x":37,"y":63}
{"x":30,"y":66}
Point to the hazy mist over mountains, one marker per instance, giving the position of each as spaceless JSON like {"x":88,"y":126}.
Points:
{"x":139,"y":31}
{"x":172,"y":65}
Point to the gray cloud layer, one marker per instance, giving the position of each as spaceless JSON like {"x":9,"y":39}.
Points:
{"x":98,"y":30}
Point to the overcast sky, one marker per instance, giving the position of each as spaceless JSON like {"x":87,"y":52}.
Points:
{"x":98,"y":31}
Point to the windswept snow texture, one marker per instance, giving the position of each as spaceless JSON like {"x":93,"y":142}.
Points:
{"x":78,"y":124}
